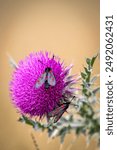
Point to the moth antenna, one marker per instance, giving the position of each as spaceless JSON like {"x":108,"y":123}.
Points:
{"x":72,"y":98}
{"x":53,"y":56}
{"x":41,"y":62}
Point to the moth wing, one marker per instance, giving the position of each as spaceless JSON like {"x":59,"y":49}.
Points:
{"x":51,"y":79}
{"x":54,"y":112}
{"x":40,"y":80}
{"x":58,"y":112}
{"x":57,"y":117}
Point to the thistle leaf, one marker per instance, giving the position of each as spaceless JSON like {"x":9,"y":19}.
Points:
{"x":83,"y":75}
{"x":93,"y":60}
{"x":88,"y":61}
{"x":96,"y":90}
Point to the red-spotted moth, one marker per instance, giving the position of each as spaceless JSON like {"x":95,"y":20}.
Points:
{"x":59,"y":110}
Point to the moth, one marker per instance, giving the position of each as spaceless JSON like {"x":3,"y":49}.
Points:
{"x":47,"y":78}
{"x":59,"y":110}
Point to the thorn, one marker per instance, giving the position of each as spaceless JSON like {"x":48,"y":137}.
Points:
{"x":12,"y":61}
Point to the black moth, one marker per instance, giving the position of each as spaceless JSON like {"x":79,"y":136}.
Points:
{"x":59,"y":110}
{"x":47,"y":78}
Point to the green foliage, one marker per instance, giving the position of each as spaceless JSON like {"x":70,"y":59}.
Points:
{"x":87,"y":121}
{"x":86,"y":77}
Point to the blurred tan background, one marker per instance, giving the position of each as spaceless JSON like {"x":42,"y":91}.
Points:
{"x":67,"y":28}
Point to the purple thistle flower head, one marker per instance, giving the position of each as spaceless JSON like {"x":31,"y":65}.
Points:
{"x":40,"y":101}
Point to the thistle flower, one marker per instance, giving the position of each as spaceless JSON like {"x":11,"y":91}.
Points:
{"x":40,"y":101}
